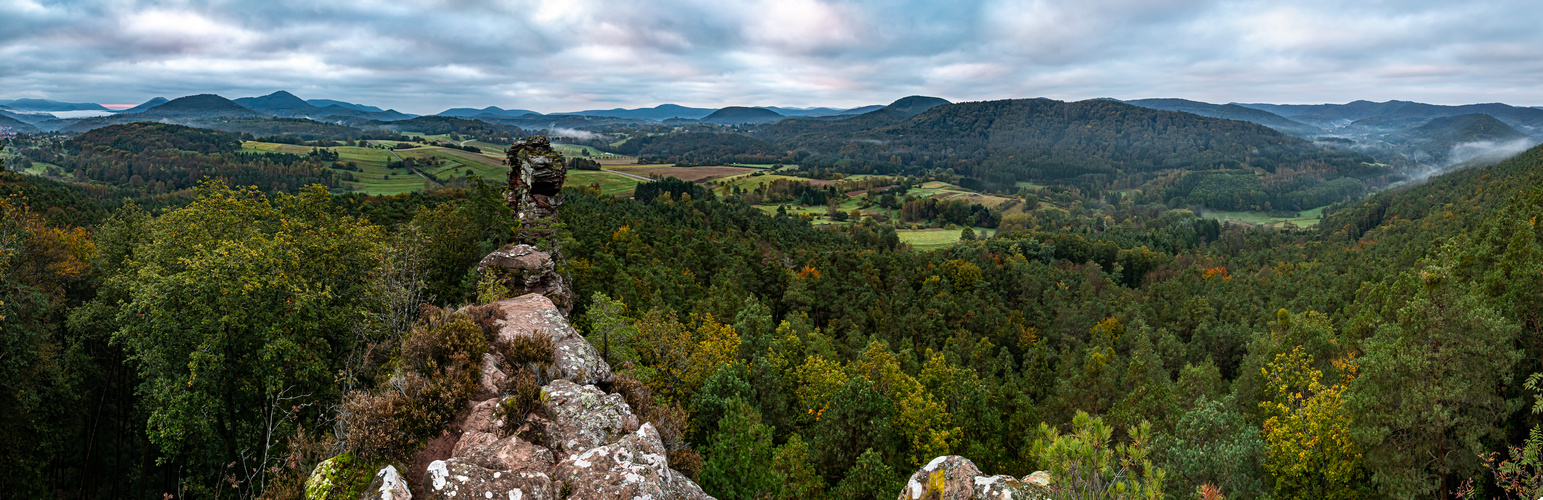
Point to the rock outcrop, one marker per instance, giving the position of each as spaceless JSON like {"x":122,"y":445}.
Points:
{"x":580,"y":443}
{"x":574,"y":358}
{"x":953,"y":477}
{"x":524,"y":269}
{"x":536,"y":176}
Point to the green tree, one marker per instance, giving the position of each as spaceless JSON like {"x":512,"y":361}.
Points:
{"x":736,"y":462}
{"x":240,"y":311}
{"x":610,"y":328}
{"x":1213,"y":444}
{"x":1433,"y":387}
{"x":1083,"y":464}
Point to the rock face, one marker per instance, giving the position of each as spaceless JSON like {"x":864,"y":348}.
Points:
{"x":536,"y":176}
{"x":454,"y":479}
{"x":580,"y":443}
{"x":632,"y":467}
{"x":953,"y":477}
{"x":524,"y":269}
{"x":387,"y":485}
{"x":574,"y":359}
{"x":581,"y":418}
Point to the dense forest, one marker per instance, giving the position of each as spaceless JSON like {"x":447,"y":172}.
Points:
{"x":204,"y":347}
{"x":161,"y":158}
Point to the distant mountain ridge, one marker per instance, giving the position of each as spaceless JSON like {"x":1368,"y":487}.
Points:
{"x":284,"y":104}
{"x":1388,"y":116}
{"x":1230,"y":112}
{"x":48,"y":105}
{"x":153,"y":102}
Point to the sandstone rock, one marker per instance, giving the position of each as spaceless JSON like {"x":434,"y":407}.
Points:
{"x":492,"y":382}
{"x":387,"y":485}
{"x":458,"y":480}
{"x":573,"y":358}
{"x":483,"y":418}
{"x":579,"y":418}
{"x":526,"y":269}
{"x":633,"y":467}
{"x":509,"y":453}
{"x":949,"y":477}
{"x":954,"y":477}
{"x":1007,"y":488}
{"x":536,"y":176}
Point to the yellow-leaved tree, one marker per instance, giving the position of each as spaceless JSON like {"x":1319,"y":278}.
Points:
{"x":1307,"y":435}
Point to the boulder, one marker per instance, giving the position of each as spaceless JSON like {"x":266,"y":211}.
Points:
{"x":342,"y":477}
{"x":949,"y":477}
{"x":953,"y":477}
{"x":525,"y":269}
{"x":573,"y":358}
{"x":509,"y":453}
{"x":459,"y":480}
{"x":635,"y":466}
{"x":582,"y":417}
{"x":387,"y":485}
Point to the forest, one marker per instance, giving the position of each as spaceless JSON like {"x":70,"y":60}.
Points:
{"x":202,"y":343}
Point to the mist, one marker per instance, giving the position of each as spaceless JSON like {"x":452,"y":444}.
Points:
{"x":572,"y":132}
{"x":1478,"y":153}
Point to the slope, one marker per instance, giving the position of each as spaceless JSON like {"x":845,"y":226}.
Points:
{"x":1231,"y":112}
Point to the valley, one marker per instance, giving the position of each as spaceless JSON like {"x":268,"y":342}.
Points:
{"x":858,"y":293}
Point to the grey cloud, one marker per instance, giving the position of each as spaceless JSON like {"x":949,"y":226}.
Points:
{"x":558,"y":56}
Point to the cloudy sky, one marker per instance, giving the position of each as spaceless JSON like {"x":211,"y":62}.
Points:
{"x":423,"y":56}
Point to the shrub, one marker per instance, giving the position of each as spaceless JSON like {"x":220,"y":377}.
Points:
{"x":438,"y":337}
{"x":525,"y":398}
{"x":523,"y":349}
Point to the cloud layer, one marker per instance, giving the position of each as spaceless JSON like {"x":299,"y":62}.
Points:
{"x":564,"y":55}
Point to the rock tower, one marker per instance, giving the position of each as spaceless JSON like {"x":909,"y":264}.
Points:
{"x":536,"y":176}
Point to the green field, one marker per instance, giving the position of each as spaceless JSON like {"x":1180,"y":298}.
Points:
{"x":933,"y":239}
{"x":1305,"y":218}
{"x":610,"y":184}
{"x":374,"y":177}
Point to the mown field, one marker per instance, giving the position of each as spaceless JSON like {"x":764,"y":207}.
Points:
{"x":1305,"y":218}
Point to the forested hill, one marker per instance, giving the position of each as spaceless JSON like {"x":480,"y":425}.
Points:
{"x":1095,"y":144}
{"x":160,"y":158}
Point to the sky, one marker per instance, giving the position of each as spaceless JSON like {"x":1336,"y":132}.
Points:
{"x":424,"y":56}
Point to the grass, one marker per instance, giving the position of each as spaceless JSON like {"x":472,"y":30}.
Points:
{"x":1305,"y":218}
{"x":933,"y":239}
{"x":1030,"y":185}
{"x":610,"y":184}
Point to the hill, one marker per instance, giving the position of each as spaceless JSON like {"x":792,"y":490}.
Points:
{"x":48,"y":105}
{"x":656,"y":113}
{"x":738,"y":115}
{"x":322,"y":103}
{"x":489,"y":112}
{"x":1461,"y":137}
{"x":1231,"y":112}
{"x":9,"y":124}
{"x":280,"y":103}
{"x":202,"y":105}
{"x":912,"y":105}
{"x":153,"y":102}
{"x":1383,"y":117}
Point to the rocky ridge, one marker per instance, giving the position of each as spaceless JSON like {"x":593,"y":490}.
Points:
{"x":580,"y":443}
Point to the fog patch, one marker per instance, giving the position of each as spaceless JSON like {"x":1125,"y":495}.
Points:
{"x":1478,"y":153}
{"x":572,"y":132}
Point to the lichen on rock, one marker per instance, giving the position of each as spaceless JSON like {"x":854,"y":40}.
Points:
{"x":952,"y":477}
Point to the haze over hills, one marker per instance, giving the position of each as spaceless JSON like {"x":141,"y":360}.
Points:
{"x":1231,"y":112}
{"x":488,"y":112}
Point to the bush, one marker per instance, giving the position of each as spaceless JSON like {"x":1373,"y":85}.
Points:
{"x":525,"y":398}
{"x":523,"y":349}
{"x":439,"y":336}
